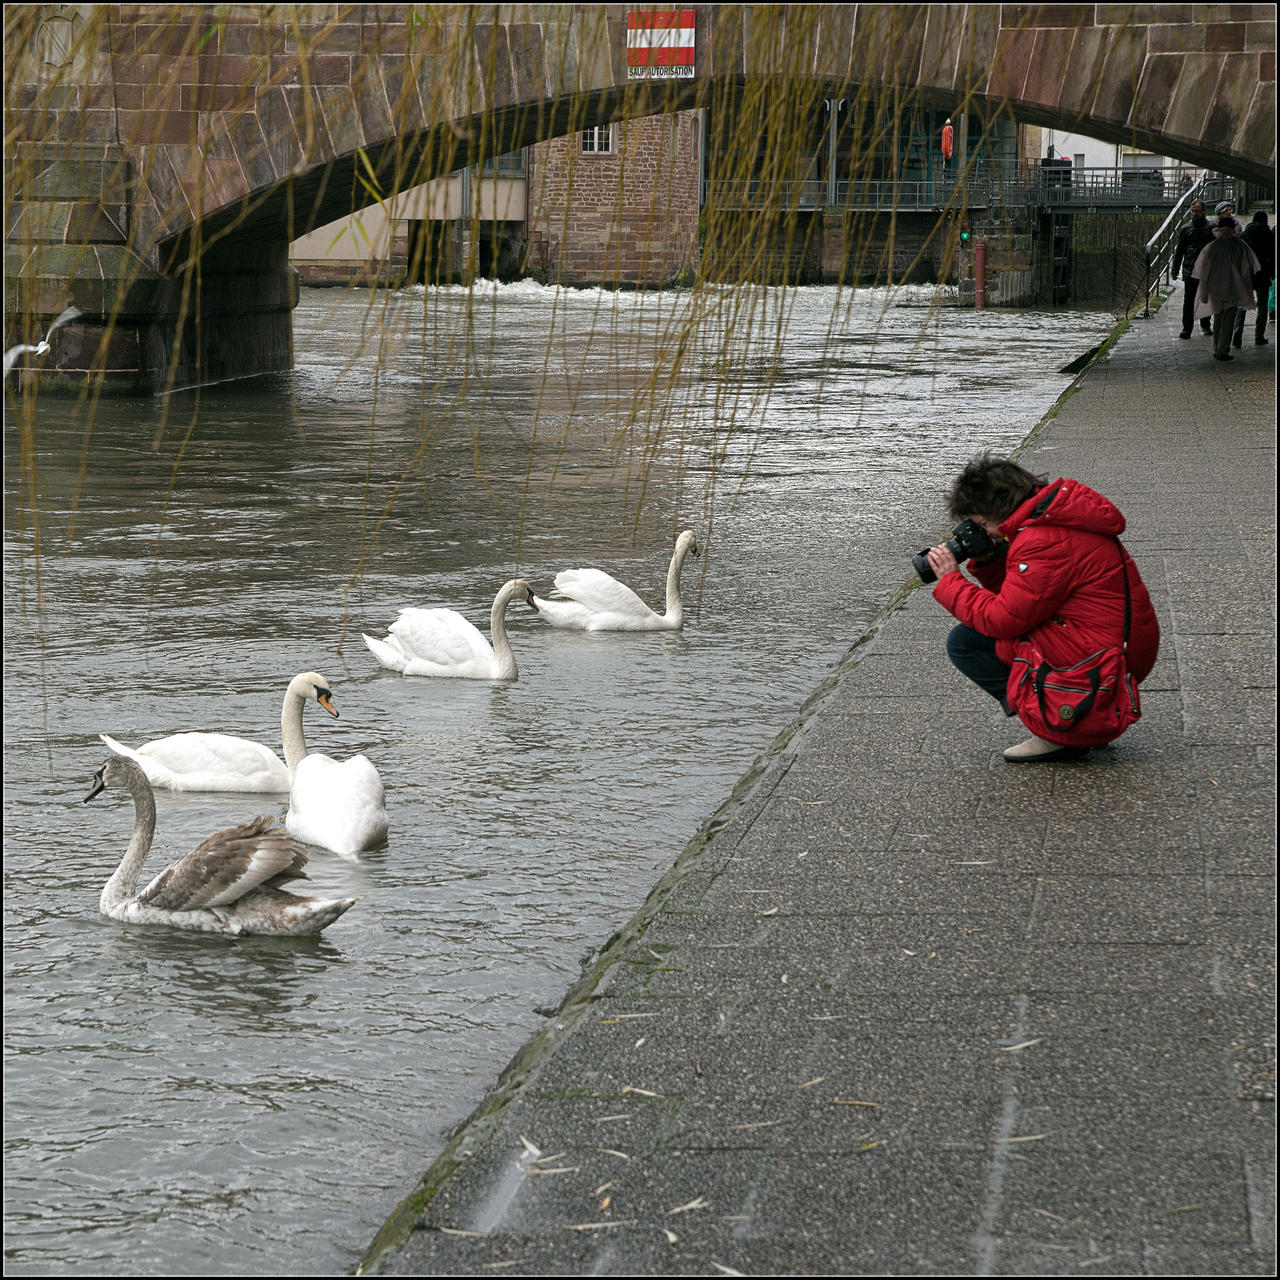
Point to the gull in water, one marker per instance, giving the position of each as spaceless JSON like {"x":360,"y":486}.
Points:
{"x":11,"y":356}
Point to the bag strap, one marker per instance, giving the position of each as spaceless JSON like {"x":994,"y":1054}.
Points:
{"x":1128,"y":599}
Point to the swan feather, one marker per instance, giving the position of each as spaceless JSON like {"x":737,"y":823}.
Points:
{"x":340,"y":805}
{"x":440,"y":637}
{"x":601,"y":593}
{"x":207,"y":762}
{"x":226,"y":866}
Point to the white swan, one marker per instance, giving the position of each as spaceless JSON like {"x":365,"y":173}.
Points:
{"x":592,"y":600}
{"x":338,"y":804}
{"x":230,"y":883}
{"x":207,"y":762}
{"x":441,"y":642}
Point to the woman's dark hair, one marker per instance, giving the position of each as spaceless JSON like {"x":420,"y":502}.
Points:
{"x":992,"y":486}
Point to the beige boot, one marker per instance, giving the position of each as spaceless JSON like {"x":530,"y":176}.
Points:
{"x":1037,"y":751}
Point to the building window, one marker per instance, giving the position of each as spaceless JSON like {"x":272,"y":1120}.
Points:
{"x":598,"y":141}
{"x":510,"y":165}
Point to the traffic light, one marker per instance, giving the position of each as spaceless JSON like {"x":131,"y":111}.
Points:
{"x":964,"y":233}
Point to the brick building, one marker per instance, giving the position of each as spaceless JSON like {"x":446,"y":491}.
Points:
{"x":614,"y":205}
{"x":617,"y":204}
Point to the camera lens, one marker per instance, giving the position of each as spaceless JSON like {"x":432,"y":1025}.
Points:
{"x":920,"y":563}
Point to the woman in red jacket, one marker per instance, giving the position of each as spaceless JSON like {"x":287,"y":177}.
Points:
{"x":1059,"y":581}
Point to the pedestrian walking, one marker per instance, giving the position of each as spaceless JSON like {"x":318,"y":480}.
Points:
{"x":1261,"y":238}
{"x":1225,"y":271}
{"x":1194,"y":235}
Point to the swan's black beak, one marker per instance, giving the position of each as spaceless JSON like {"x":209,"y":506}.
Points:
{"x":99,"y":784}
{"x":693,"y":551}
{"x":325,"y":699}
{"x":529,"y":598}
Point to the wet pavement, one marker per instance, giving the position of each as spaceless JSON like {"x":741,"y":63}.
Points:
{"x":903,"y":1008}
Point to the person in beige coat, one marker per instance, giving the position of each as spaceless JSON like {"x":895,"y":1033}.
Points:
{"x":1225,"y":270}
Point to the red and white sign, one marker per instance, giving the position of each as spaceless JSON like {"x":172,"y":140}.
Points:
{"x":660,"y":44}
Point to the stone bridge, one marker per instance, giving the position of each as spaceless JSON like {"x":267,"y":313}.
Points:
{"x":160,"y":159}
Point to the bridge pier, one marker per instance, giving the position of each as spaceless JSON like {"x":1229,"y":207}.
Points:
{"x":145,"y":333}
{"x":142,"y":331}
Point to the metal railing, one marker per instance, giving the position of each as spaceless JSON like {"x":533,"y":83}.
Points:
{"x":757,"y":193}
{"x":981,"y":186}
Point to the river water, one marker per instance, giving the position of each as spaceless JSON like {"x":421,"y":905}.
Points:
{"x":178,"y":1101}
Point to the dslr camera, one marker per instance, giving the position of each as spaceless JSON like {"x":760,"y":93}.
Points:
{"x":967,"y":541}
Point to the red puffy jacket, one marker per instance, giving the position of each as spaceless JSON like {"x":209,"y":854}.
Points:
{"x":1060,"y":583}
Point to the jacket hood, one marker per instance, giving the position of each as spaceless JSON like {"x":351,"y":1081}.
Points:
{"x":1070,"y":504}
{"x":1224,"y":229}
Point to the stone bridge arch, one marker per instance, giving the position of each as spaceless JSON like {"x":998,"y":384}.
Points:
{"x":177,"y":144}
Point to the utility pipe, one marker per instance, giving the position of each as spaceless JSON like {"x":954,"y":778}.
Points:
{"x":980,"y":275}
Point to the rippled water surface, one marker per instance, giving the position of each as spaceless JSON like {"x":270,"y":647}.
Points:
{"x":226,"y":1106}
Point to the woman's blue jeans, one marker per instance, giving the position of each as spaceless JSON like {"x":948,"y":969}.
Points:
{"x":974,"y":655}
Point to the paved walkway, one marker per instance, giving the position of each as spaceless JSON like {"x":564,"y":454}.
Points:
{"x":906,"y":1009}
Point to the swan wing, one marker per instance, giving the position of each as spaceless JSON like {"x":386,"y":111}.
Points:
{"x":227,"y":866}
{"x":563,"y":612}
{"x":273,"y":911}
{"x":601,"y":593}
{"x":440,"y":636}
{"x":388,"y":652}
{"x":207,"y":762}
{"x":340,"y":805}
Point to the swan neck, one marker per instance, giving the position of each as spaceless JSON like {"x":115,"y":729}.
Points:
{"x":295,"y":745}
{"x":674,"y":608}
{"x":125,"y":880}
{"x":498,"y":628}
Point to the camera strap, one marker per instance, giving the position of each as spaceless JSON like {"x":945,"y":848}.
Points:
{"x":1128,"y":599}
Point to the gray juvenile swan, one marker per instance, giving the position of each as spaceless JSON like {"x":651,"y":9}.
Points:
{"x":592,"y":600}
{"x":227,"y":884}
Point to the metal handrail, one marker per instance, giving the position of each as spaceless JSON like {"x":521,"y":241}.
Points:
{"x":1011,"y":185}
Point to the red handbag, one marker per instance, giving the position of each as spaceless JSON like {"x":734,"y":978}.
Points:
{"x":1084,"y":705}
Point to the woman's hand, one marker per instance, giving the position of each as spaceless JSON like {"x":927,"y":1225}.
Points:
{"x":941,"y":560}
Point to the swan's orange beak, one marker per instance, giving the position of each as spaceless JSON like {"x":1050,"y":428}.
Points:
{"x":530,"y":599}
{"x":326,"y":702}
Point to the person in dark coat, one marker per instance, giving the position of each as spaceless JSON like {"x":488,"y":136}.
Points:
{"x":1058,"y":581}
{"x":1193,"y":237}
{"x":1261,"y":238}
